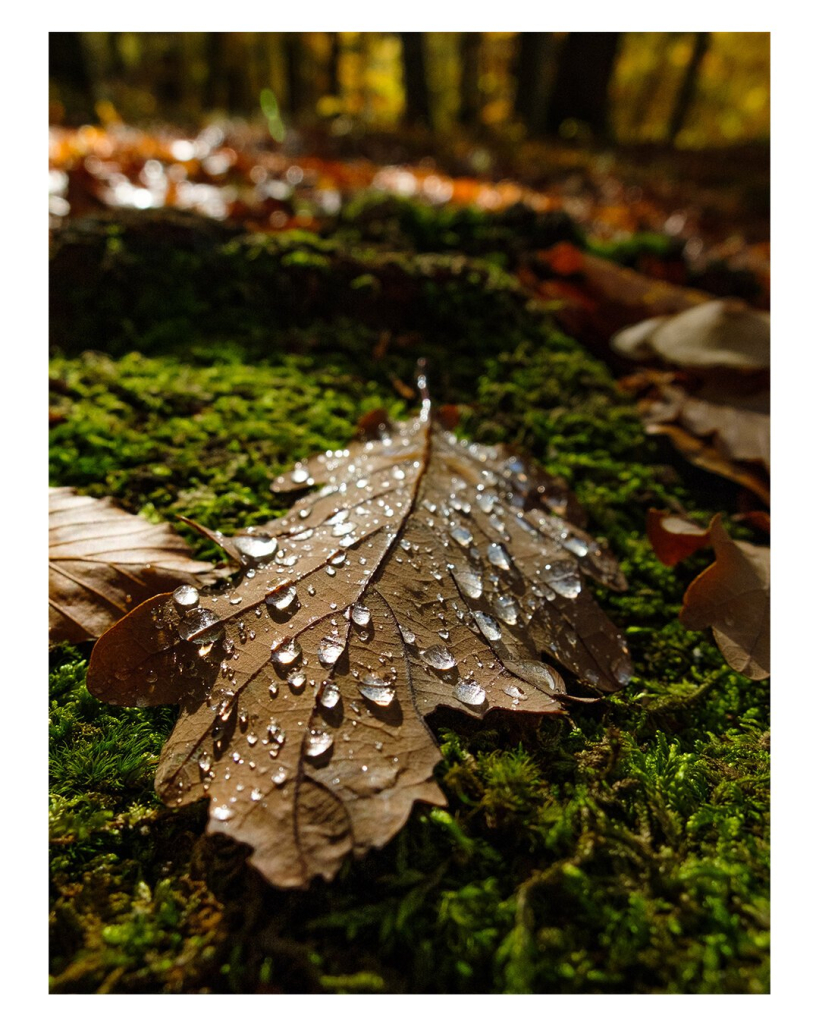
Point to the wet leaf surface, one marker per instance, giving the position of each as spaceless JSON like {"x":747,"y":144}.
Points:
{"x":103,"y":562}
{"x":732,"y":597}
{"x":418,"y":572}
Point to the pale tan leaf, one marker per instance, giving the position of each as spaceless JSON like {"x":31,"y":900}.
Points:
{"x":103,"y":562}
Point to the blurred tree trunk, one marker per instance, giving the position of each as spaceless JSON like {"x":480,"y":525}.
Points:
{"x":535,"y":51}
{"x":165,"y":73}
{"x":470,"y":100}
{"x":215,"y":92}
{"x":293,"y":56}
{"x":416,"y":109}
{"x":115,"y":64}
{"x":581,"y":85}
{"x":68,"y":69}
{"x":334,"y":82}
{"x":639,"y":115}
{"x":688,"y":86}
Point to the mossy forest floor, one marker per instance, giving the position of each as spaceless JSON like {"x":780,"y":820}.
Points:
{"x":621,"y":849}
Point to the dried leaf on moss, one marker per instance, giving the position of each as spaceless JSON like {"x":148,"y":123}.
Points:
{"x":674,"y":537}
{"x":719,"y":333}
{"x":422,"y":573}
{"x":732,"y":597}
{"x":103,"y":562}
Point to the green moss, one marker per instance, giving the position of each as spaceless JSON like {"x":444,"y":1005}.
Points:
{"x":624,"y":849}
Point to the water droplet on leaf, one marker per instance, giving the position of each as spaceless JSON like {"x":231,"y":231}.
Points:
{"x":317,"y":742}
{"x":377,"y":690}
{"x":438,"y":657}
{"x":185,"y":598}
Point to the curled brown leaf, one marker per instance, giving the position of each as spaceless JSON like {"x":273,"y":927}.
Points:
{"x":674,"y":537}
{"x":732,"y":597}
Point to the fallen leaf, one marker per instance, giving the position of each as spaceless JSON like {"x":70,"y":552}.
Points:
{"x":719,"y":333}
{"x":598,"y":297}
{"x":674,"y":537}
{"x":707,"y":457}
{"x":422,"y":572}
{"x":740,"y":426}
{"x":732,"y":597}
{"x":103,"y":562}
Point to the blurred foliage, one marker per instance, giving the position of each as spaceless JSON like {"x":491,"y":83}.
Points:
{"x":351,"y":79}
{"x":732,"y":101}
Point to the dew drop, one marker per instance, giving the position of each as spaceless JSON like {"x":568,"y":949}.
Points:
{"x":499,"y":556}
{"x":360,"y":615}
{"x":205,"y":762}
{"x":287,"y":652}
{"x":299,"y":475}
{"x":515,"y":692}
{"x":330,"y":650}
{"x":622,"y":671}
{"x":279,"y":777}
{"x":256,"y":794}
{"x":283,"y":598}
{"x":407,"y":634}
{"x":200,"y":626}
{"x":538,"y":674}
{"x":296,"y":680}
{"x":469,"y":582}
{"x":317,"y":742}
{"x":470,"y":693}
{"x":438,"y":657}
{"x":377,"y":690}
{"x":330,"y":695}
{"x":185,"y":598}
{"x":255,"y":546}
{"x":576,"y":546}
{"x":506,"y":608}
{"x":564,"y":580}
{"x":461,"y":536}
{"x":222,"y":813}
{"x":485,"y":501}
{"x":488,"y":626}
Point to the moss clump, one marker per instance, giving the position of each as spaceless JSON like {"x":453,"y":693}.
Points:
{"x":622,"y":850}
{"x":407,"y":224}
{"x":172,"y":284}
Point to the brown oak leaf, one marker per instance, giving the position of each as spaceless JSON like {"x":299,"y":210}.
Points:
{"x":732,"y":597}
{"x":103,"y":562}
{"x":419,"y":572}
{"x":674,"y":537}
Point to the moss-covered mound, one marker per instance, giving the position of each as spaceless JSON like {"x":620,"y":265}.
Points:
{"x":624,"y":849}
